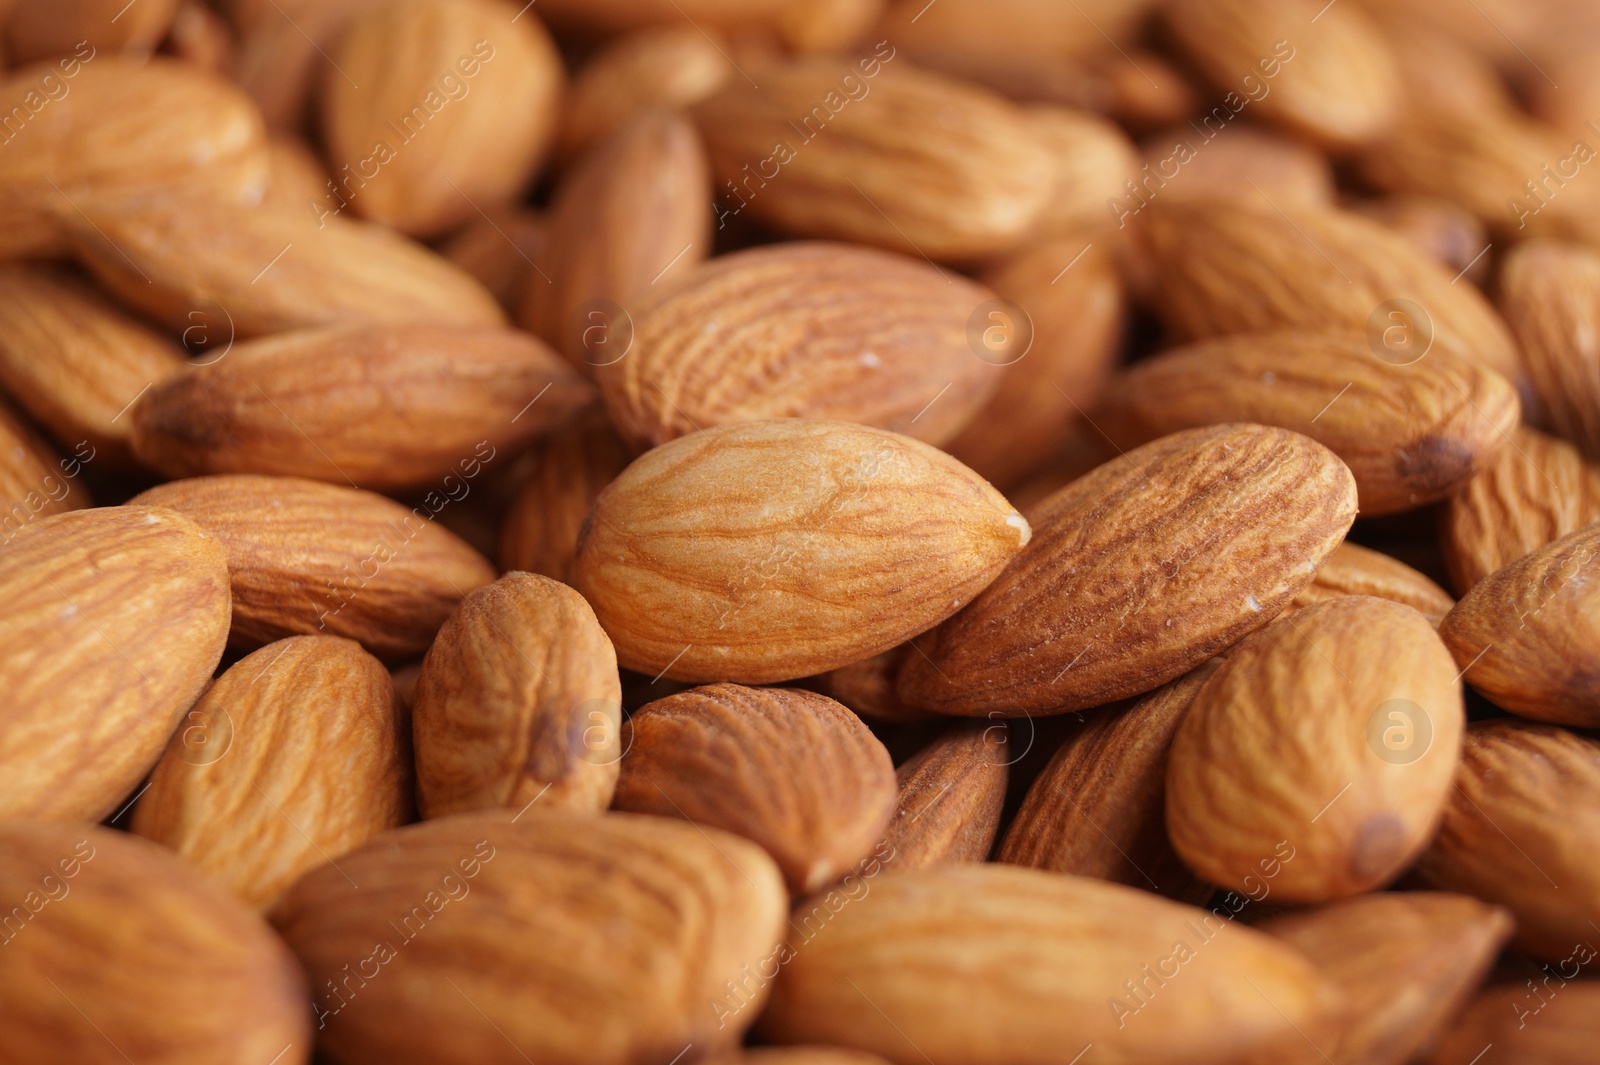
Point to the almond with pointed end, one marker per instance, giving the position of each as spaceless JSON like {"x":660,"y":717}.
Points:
{"x":296,"y":755}
{"x":791,"y":770}
{"x":34,"y":482}
{"x":306,"y":558}
{"x":518,"y":702}
{"x":767,"y":551}
{"x":1512,"y":1025}
{"x":1355,"y":570}
{"x":810,"y":329}
{"x":1406,"y":961}
{"x":667,"y":66}
{"x":1140,"y":571}
{"x":570,"y":468}
{"x":563,"y":938}
{"x":303,"y":404}
{"x":1551,"y":296}
{"x":1410,"y":434}
{"x":114,"y":621}
{"x":114,"y":947}
{"x":951,"y":792}
{"x":990,"y":964}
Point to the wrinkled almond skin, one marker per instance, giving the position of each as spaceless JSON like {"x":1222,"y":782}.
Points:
{"x":791,"y":770}
{"x":1334,"y":733}
{"x":306,"y":558}
{"x":114,"y":621}
{"x":989,"y":964}
{"x":196,"y":977}
{"x":1355,"y":570}
{"x":1410,"y":434}
{"x":34,"y":481}
{"x":1528,"y":636}
{"x":570,"y":469}
{"x":569,"y":938}
{"x":767,"y":551}
{"x":296,"y":755}
{"x":810,"y":329}
{"x":1551,"y":296}
{"x":518,"y":702}
{"x":1512,"y":1025}
{"x":1140,"y":571}
{"x":1407,"y":961}
{"x":303,"y":404}
{"x":951,"y":793}
{"x":1521,"y":830}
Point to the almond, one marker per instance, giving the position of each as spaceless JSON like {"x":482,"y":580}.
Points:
{"x":809,"y":329}
{"x":1334,"y":732}
{"x":303,"y":404}
{"x":1551,"y":296}
{"x":309,"y":558}
{"x":1093,"y":161}
{"x":1185,"y":162}
{"x":297,"y":177}
{"x":876,"y":153}
{"x":114,"y":621}
{"x":867,"y":687}
{"x":696,"y":577}
{"x":46,"y":32}
{"x":1522,"y":829}
{"x":501,"y":250}
{"x":434,"y":110}
{"x":296,"y":755}
{"x":985,"y":964}
{"x":193,"y":975}
{"x":282,"y":51}
{"x":1447,"y":233}
{"x":1139,"y":572}
{"x":1513,"y":1025}
{"x":518,"y":702}
{"x":34,"y":482}
{"x":569,"y":470}
{"x":951,"y":792}
{"x":1355,"y":570}
{"x":201,"y":37}
{"x":504,"y":914}
{"x":1410,"y":434}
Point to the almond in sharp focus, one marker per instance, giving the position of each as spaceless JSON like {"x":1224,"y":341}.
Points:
{"x":1140,"y":571}
{"x":951,"y":793}
{"x":294,"y":756}
{"x":696,"y":577}
{"x":791,"y":770}
{"x":306,"y":558}
{"x":569,"y":470}
{"x":1551,"y":296}
{"x":114,"y":621}
{"x":1320,"y":754}
{"x":1355,"y":570}
{"x":518,"y":702}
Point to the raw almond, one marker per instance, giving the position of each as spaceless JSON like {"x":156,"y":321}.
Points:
{"x":951,"y":792}
{"x":698,"y":577}
{"x":1446,"y":232}
{"x":282,"y":50}
{"x":1093,"y":161}
{"x":868,"y":687}
{"x":807,"y":329}
{"x":569,"y":470}
{"x":115,"y":947}
{"x":35,"y":31}
{"x":605,"y":17}
{"x":303,"y":404}
{"x":34,"y":482}
{"x":1183,"y":162}
{"x":518,"y":702}
{"x":297,"y":177}
{"x":1139,"y":572}
{"x":1410,"y":434}
{"x":506,"y":915}
{"x":1551,"y":296}
{"x":1513,"y":1025}
{"x":1355,"y":570}
{"x":501,"y":250}
{"x":296,"y":755}
{"x":114,"y":621}
{"x":306,"y":558}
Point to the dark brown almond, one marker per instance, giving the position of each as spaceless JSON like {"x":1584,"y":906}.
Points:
{"x":951,"y":792}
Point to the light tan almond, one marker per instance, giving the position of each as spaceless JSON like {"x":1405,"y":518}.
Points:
{"x":569,"y":470}
{"x":698,"y":576}
{"x":1355,"y":570}
{"x":296,"y":755}
{"x":951,"y":793}
{"x":34,"y":481}
{"x":114,"y":621}
{"x":306,"y":558}
{"x":50,"y":31}
{"x":1555,"y":1024}
{"x":298,"y":179}
{"x":501,"y":250}
{"x":1183,"y":162}
{"x":1551,"y":296}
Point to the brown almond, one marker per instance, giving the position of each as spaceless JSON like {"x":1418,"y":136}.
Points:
{"x":569,"y":470}
{"x":282,"y":49}
{"x":297,"y":177}
{"x":1183,"y":162}
{"x":518,"y":703}
{"x":296,"y":755}
{"x":306,"y":558}
{"x":867,"y":687}
{"x":35,"y":31}
{"x":1551,"y":296}
{"x":1446,"y":232}
{"x":1355,"y":570}
{"x":1140,"y":571}
{"x":1094,"y":160}
{"x":34,"y":481}
{"x":951,"y":792}
{"x":1515,"y":1025}
{"x":501,"y":250}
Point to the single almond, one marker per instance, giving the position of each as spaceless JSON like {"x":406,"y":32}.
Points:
{"x":951,"y":793}
{"x":1094,"y":160}
{"x":34,"y":481}
{"x":1201,"y":164}
{"x":570,"y":468}
{"x":1355,"y":570}
{"x":1551,"y":296}
{"x":283,"y":45}
{"x":1554,"y":1023}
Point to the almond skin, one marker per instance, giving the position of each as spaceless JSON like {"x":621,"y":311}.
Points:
{"x":791,"y":770}
{"x":808,"y":329}
{"x":303,"y":404}
{"x":197,"y":977}
{"x":569,"y":470}
{"x":1355,"y":570}
{"x":868,"y":687}
{"x":984,"y":964}
{"x":1140,"y":571}
{"x":668,"y":66}
{"x":114,"y":621}
{"x":296,"y":755}
{"x":34,"y":482}
{"x":1294,"y":740}
{"x":1515,"y":1026}
{"x":951,"y":792}
{"x":1406,"y":961}
{"x":535,"y":970}
{"x":1446,"y":232}
{"x":1410,"y":434}
{"x":892,"y":157}
{"x":1282,"y":169}
{"x":698,"y":576}
{"x":306,"y":558}
{"x":501,"y":250}
{"x":33,"y":32}
{"x":1093,"y":163}
{"x":1521,"y":831}
{"x":518,"y":702}
{"x":1551,"y":296}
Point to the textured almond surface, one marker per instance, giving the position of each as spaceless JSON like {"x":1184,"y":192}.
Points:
{"x":1335,"y":730}
{"x":561,"y":938}
{"x":951,"y":792}
{"x":114,"y":621}
{"x":1355,"y":570}
{"x":772,"y":550}
{"x":34,"y":481}
{"x":1511,"y":1025}
{"x":1139,"y":571}
{"x":791,"y":770}
{"x":306,"y":558}
{"x":1551,"y":297}
{"x":570,"y":469}
{"x":518,"y":702}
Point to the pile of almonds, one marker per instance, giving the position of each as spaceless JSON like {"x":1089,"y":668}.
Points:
{"x":1022,"y":532}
